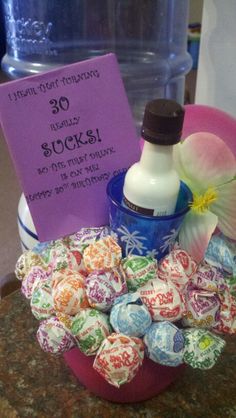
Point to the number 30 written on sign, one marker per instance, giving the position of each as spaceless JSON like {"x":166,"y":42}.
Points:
{"x":59,"y":104}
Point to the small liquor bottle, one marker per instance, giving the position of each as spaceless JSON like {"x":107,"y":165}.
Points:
{"x":152,"y":185}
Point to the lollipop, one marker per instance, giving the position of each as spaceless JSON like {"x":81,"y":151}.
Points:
{"x":42,"y":302}
{"x":69,"y":294}
{"x":66,"y":320}
{"x":26,"y":261}
{"x":139,"y":270}
{"x":231,"y":284}
{"x":162,"y":299}
{"x":45,"y":249}
{"x":41,"y":247}
{"x":104,"y":254}
{"x":221,"y":253}
{"x":130,"y":316}
{"x":165,"y":344}
{"x":227,"y":313}
{"x":86,"y":236}
{"x":53,"y":336}
{"x":209,"y":278}
{"x":201,"y":348}
{"x":35,"y":276}
{"x":178,"y":267}
{"x":90,"y":327}
{"x":202,"y":308}
{"x":102,"y":288}
{"x":60,"y":257}
{"x":119,"y":359}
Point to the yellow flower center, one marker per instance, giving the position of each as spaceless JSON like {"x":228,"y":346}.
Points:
{"x":201,"y":203}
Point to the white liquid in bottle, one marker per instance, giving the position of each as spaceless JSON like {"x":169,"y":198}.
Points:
{"x":152,"y":185}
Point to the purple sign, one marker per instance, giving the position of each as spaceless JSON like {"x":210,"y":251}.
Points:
{"x":69,"y":131}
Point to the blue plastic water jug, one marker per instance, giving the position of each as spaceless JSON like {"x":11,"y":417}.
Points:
{"x":148,"y":36}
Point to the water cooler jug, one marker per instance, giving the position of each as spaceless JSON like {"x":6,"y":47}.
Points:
{"x":149,"y":38}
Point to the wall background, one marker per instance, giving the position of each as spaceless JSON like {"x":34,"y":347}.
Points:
{"x":195,"y":11}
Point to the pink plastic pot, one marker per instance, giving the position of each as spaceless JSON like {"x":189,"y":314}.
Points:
{"x":152,"y":378}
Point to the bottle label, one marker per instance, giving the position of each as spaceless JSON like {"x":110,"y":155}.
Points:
{"x":136,"y":208}
{"x":146,"y":211}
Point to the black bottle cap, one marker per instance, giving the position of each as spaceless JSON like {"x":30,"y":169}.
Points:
{"x":163,"y":122}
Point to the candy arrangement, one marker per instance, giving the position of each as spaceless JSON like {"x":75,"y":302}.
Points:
{"x":120,"y":310}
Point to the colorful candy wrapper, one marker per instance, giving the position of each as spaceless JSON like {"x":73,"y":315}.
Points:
{"x":102,"y":288}
{"x":66,"y":320}
{"x":227,"y":313}
{"x":41,"y":247}
{"x":119,"y":359}
{"x":139,"y":270}
{"x":58,"y":276}
{"x":35,"y":276}
{"x":53,"y":337}
{"x":76,"y":249}
{"x":104,"y":254}
{"x":201,"y":348}
{"x":26,"y":261}
{"x":209,"y":278}
{"x":130,"y":316}
{"x":86,"y":236}
{"x":165,"y":344}
{"x":69,"y":295}
{"x":231,"y":283}
{"x":76,"y":256}
{"x":44,"y":249}
{"x":60,"y":257}
{"x":178,"y":266}
{"x":80,"y":262}
{"x":162,"y":299}
{"x":202,"y":308}
{"x":221,"y":252}
{"x":42,"y":302}
{"x":90,"y":327}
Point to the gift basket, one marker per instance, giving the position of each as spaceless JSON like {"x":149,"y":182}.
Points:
{"x":130,"y":304}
